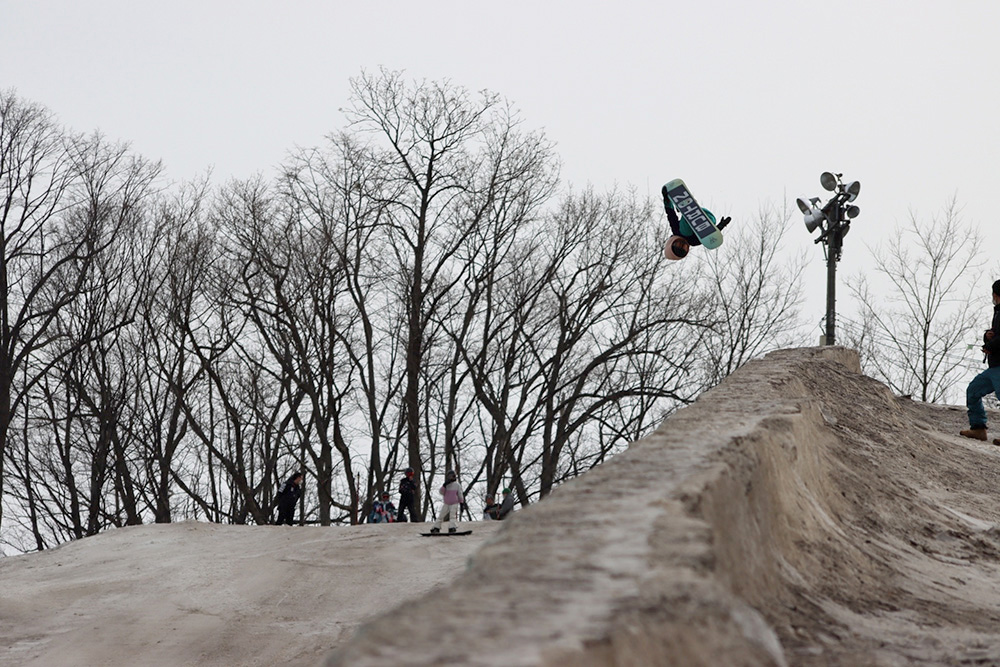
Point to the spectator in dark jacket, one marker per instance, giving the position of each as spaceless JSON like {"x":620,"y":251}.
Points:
{"x":492,"y":510}
{"x":288,"y":497}
{"x":407,"y":497}
{"x":987,"y":382}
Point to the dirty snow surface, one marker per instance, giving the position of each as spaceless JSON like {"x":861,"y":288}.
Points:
{"x":797,"y":514}
{"x":203,"y":594}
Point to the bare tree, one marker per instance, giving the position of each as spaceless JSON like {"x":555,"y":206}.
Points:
{"x":64,"y":203}
{"x":922,"y":324}
{"x":755,"y":294}
{"x":445,"y":168}
{"x":578,"y":317}
{"x":341,"y":195}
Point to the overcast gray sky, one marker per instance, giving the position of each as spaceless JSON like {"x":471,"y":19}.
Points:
{"x":748,"y":102}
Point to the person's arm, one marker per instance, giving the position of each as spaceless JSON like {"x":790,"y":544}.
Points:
{"x":675,"y":223}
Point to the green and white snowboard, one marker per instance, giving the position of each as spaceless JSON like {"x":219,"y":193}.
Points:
{"x":691,"y":212}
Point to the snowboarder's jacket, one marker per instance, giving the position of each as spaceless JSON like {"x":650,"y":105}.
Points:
{"x":452,"y":493}
{"x":992,"y":347}
{"x":675,"y":222}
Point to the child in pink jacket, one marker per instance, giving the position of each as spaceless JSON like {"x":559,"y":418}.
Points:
{"x":451,"y":504}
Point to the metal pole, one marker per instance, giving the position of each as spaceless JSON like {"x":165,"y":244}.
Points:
{"x":832,"y":255}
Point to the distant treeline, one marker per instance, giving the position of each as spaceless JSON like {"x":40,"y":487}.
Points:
{"x":419,"y":291}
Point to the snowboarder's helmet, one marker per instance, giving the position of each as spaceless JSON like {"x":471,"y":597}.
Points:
{"x":677,"y":247}
{"x":409,"y":471}
{"x":451,"y":475}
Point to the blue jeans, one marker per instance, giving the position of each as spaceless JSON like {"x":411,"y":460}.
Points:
{"x":987,"y":382}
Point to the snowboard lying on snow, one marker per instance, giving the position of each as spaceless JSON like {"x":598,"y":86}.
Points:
{"x":443,"y":534}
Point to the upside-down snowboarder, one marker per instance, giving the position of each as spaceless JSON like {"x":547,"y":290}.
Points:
{"x":679,"y":244}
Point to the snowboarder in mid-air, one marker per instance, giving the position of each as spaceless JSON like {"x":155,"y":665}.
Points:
{"x":987,"y":382}
{"x":683,"y":236}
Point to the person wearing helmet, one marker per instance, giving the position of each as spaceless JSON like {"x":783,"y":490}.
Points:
{"x":407,"y":497}
{"x":684,"y":237}
{"x":451,"y":503}
{"x":382,"y":510}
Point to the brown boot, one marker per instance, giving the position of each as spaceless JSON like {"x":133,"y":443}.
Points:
{"x":974,"y":433}
{"x":996,"y":441}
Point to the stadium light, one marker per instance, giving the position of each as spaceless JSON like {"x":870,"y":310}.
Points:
{"x":833,"y":220}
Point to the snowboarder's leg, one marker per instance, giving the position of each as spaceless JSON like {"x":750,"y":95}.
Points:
{"x":452,"y":516}
{"x":440,"y":520}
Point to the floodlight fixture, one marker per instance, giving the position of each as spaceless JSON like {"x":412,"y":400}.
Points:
{"x":853,"y":211}
{"x":853,"y":189}
{"x":828,"y":181}
{"x":813,"y":220}
{"x":803,"y":206}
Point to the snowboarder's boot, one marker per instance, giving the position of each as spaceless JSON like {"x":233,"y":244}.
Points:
{"x":978,"y":433}
{"x":435,"y":530}
{"x":453,"y":530}
{"x":996,"y":441}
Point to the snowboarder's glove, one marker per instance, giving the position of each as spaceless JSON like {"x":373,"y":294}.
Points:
{"x":725,"y":221}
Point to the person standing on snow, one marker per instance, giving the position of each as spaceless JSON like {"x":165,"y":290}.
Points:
{"x":987,"y":382}
{"x":288,"y":497}
{"x":492,"y":510}
{"x":684,"y":237}
{"x":407,"y":497}
{"x":507,"y":506}
{"x":452,"y":503}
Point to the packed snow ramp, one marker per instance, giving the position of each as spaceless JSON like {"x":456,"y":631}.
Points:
{"x":797,"y":514}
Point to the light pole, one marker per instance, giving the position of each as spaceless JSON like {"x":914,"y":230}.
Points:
{"x":833,"y":220}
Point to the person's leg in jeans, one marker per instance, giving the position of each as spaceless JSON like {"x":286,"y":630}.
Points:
{"x":984,"y":384}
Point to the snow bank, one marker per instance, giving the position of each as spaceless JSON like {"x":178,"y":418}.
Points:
{"x":798,"y":514}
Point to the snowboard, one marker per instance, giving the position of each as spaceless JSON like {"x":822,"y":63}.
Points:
{"x":688,"y":208}
{"x":447,"y":534}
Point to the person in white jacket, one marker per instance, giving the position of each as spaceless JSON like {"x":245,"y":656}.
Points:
{"x":451,"y":503}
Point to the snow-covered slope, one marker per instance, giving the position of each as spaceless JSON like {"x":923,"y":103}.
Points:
{"x":798,"y":514}
{"x":202,"y":594}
